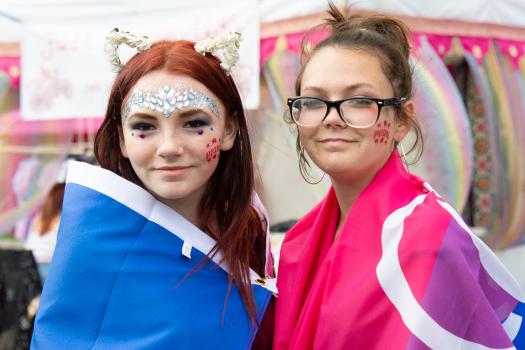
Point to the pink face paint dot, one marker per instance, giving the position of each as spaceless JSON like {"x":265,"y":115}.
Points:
{"x":200,"y":131}
{"x":142,"y":136}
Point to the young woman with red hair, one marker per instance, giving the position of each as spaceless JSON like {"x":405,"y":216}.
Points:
{"x":174,"y":135}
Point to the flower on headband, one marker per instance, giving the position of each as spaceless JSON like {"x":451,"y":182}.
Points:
{"x":224,"y":47}
{"x":114,"y":39}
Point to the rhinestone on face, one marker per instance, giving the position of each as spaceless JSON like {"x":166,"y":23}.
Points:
{"x":167,"y":99}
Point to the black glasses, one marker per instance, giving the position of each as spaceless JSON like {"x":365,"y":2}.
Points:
{"x":357,"y":112}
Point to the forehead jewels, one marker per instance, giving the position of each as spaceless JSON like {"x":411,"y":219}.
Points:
{"x":168,"y":100}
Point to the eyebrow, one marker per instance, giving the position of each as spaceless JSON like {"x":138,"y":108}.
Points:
{"x":348,"y":89}
{"x":192,"y":112}
{"x":141,"y":116}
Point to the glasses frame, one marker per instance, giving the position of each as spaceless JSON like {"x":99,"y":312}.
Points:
{"x":380,"y":102}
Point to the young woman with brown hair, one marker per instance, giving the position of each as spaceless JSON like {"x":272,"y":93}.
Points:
{"x":382,"y":262}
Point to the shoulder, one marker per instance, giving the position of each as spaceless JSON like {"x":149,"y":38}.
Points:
{"x":434,"y":227}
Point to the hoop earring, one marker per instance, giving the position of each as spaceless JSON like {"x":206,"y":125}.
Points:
{"x":404,"y":156}
{"x":303,"y":171}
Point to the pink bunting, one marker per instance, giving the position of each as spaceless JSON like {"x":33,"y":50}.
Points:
{"x":11,"y":66}
{"x":477,"y":46}
{"x":513,"y":49}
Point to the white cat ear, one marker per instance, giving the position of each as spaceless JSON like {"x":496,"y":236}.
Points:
{"x":224,"y":47}
{"x":115,"y":38}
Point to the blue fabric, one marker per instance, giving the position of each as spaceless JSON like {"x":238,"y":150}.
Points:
{"x":519,"y":340}
{"x":115,"y":283}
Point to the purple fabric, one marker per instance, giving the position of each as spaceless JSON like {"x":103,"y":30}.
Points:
{"x":457,"y":268}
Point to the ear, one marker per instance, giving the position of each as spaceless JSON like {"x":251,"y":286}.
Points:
{"x":123,"y":149}
{"x":230,"y":132}
{"x":402,"y":127}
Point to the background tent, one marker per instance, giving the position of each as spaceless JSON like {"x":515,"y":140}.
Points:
{"x":469,"y":73}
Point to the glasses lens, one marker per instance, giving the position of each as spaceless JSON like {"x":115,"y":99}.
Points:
{"x":360,"y":112}
{"x":308,"y":111}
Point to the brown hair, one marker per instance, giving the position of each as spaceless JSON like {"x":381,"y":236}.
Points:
{"x":227,"y":199}
{"x":52,"y":206}
{"x":382,"y":35}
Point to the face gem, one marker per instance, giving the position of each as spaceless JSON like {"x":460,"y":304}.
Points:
{"x":170,"y":99}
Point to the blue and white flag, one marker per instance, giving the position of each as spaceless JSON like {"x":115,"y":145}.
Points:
{"x":117,"y":277}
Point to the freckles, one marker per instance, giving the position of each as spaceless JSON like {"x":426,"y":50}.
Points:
{"x":381,"y":133}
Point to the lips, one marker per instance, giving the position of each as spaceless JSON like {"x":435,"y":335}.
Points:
{"x":335,"y":140}
{"x":172,"y":168}
{"x":173,"y":172}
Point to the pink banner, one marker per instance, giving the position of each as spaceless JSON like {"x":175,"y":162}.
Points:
{"x":441,"y":43}
{"x":512,"y":48}
{"x":12,"y":124}
{"x":11,"y":66}
{"x":477,"y":46}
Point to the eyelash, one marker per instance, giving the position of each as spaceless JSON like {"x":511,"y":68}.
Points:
{"x":141,"y":126}
{"x":196,"y":123}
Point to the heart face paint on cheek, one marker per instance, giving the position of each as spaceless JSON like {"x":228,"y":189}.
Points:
{"x":213,"y":149}
{"x":382,"y":134}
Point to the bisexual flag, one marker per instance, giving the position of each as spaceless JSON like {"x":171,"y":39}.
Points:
{"x":405,"y":272}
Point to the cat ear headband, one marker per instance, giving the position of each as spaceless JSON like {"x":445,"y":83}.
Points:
{"x":225,"y":47}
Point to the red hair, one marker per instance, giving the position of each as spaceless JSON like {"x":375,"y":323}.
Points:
{"x":52,"y":206}
{"x":227,"y":198}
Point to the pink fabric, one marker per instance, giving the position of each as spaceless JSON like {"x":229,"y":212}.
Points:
{"x":330,"y":296}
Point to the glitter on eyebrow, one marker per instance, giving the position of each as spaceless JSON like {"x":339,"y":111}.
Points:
{"x":168,"y":99}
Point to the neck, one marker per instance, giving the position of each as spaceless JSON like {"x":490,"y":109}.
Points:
{"x":346,"y":193}
{"x":187,"y":207}
{"x":347,"y":189}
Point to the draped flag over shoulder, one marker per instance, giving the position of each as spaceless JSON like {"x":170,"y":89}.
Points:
{"x":117,"y":276}
{"x":405,"y":273}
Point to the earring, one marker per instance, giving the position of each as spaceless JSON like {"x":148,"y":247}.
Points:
{"x":404,"y":156}
{"x":304,"y":172}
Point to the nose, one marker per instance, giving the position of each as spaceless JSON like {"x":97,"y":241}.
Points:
{"x":170,"y":145}
{"x":333,"y":119}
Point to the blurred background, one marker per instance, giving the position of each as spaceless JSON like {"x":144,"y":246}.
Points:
{"x":469,"y":68}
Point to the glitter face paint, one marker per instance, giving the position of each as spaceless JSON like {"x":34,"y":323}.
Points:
{"x":169,"y":99}
{"x":382,"y":134}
